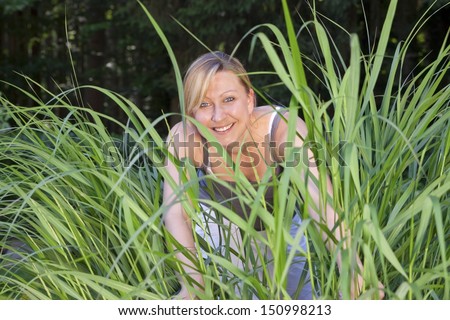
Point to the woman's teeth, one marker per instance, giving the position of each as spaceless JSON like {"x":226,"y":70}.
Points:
{"x":222,"y":129}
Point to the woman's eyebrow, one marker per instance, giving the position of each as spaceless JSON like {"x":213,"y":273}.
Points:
{"x":228,"y":91}
{"x":222,"y":94}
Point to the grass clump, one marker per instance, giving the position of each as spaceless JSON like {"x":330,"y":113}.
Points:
{"x":80,"y":209}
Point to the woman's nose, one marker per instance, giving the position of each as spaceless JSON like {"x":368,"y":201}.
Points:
{"x":218,"y":113}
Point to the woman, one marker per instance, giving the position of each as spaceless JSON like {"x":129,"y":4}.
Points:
{"x":222,"y":105}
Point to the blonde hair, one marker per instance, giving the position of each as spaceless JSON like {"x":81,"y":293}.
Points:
{"x":202,"y":70}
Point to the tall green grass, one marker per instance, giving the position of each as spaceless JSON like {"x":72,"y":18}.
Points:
{"x":84,"y":206}
{"x":391,"y":172}
{"x":81,"y":212}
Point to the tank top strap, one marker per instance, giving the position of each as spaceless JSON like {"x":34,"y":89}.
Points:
{"x":205,"y":163}
{"x":273,"y":125}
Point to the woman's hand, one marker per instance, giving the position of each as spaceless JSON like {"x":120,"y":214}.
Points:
{"x":184,"y":294}
{"x":356,"y":287}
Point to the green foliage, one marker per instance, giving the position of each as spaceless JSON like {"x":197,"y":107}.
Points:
{"x":392,"y":179}
{"x":79,"y":216}
{"x":112,"y":45}
{"x":11,"y":6}
{"x":4,"y":121}
{"x":80,"y":211}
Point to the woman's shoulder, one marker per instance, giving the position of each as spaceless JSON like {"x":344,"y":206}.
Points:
{"x":265,"y":111}
{"x":183,"y":129}
{"x":277,"y":118}
{"x":270,"y":111}
{"x":263,"y":114}
{"x":185,"y":140}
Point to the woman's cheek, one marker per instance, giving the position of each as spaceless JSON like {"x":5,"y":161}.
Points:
{"x":201,"y":116}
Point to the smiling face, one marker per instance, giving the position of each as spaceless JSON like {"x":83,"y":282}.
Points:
{"x":226,"y":108}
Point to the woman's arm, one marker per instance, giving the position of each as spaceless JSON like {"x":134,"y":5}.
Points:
{"x":177,"y":223}
{"x":323,"y":214}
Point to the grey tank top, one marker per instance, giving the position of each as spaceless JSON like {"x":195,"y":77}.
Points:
{"x":224,"y":193}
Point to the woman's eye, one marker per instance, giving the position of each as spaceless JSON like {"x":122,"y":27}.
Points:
{"x":204,"y":104}
{"x":229,"y":99}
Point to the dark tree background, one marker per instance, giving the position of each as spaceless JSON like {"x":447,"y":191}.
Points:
{"x":113,"y":45}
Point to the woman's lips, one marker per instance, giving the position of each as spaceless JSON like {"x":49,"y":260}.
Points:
{"x":223,"y":129}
